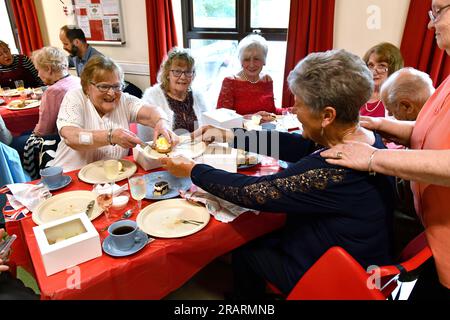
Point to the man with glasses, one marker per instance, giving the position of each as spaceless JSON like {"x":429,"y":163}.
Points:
{"x":74,"y":42}
{"x":17,"y":67}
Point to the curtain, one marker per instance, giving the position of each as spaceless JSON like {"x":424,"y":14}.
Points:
{"x":419,"y":47}
{"x":28,"y":26}
{"x":311,"y":25}
{"x":161,"y":33}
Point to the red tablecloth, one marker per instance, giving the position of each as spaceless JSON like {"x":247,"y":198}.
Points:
{"x":19,"y":121}
{"x":161,"y":267}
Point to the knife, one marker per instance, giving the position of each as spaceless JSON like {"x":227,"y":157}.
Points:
{"x":90,"y":208}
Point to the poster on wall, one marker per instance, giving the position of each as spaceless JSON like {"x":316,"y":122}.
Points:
{"x":100,"y":20}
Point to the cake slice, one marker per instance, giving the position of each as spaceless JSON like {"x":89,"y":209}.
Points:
{"x":161,"y":188}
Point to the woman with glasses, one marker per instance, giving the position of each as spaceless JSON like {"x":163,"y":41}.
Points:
{"x":250,"y":91}
{"x":426,"y":164}
{"x":182,"y":105}
{"x":94,"y":120}
{"x":17,"y":67}
{"x":383,"y":60}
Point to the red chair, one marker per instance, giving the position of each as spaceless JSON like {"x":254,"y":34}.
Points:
{"x":338,"y":276}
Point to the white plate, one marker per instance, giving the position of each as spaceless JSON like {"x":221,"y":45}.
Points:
{"x":11,"y":93}
{"x":184,"y":148}
{"x":64,"y":205}
{"x":93,"y":173}
{"x":162,"y":219}
{"x":30,"y":105}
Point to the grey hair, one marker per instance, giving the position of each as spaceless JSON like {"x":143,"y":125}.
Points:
{"x":50,"y":57}
{"x":335,"y":78}
{"x":253,"y":41}
{"x":407,"y":84}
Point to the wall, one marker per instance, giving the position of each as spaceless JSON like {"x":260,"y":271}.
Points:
{"x":360,"y":24}
{"x":132,"y":56}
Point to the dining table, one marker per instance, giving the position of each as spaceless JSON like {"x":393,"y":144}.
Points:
{"x":18,"y":121}
{"x":162,"y":266}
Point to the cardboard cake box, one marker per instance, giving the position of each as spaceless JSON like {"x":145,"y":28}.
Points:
{"x":220,"y":156}
{"x":146,"y":162}
{"x":67,"y":242}
{"x":223,"y":118}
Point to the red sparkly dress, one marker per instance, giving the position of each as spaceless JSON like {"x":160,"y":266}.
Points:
{"x":246,"y":97}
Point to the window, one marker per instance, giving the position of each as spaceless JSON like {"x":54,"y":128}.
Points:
{"x":213,"y":29}
{"x":7,"y":26}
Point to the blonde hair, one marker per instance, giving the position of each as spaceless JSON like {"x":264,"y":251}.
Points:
{"x":98,"y":69}
{"x":51,"y":57}
{"x":174,"y":54}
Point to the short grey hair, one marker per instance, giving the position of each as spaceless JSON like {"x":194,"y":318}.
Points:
{"x":335,"y":78}
{"x":253,"y":41}
{"x":407,"y":84}
{"x":50,"y":57}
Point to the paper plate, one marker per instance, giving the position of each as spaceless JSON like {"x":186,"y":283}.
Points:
{"x":163,"y":219}
{"x":184,"y":148}
{"x":175,"y":185}
{"x":29,"y":104}
{"x":11,"y":93}
{"x":64,"y":205}
{"x":93,"y":173}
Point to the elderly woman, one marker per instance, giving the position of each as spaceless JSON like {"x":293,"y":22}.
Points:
{"x":326,"y":205}
{"x":94,"y":121}
{"x":383,"y":60}
{"x":249,"y":91}
{"x":16,"y":67}
{"x":52,"y":67}
{"x":427,"y":167}
{"x":182,"y":105}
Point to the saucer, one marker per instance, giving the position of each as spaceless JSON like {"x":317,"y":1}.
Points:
{"x":66,"y":180}
{"x":175,"y":185}
{"x":109,"y":248}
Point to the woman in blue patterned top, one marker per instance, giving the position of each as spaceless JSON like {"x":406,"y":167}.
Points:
{"x":326,"y":205}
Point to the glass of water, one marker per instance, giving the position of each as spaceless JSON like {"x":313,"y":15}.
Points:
{"x":138,"y":187}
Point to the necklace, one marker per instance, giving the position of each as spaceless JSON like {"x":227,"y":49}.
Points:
{"x":243,"y":75}
{"x":372,"y":110}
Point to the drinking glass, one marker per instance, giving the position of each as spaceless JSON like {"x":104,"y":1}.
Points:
{"x":4,"y":93}
{"x":104,"y":197}
{"x":111,"y":168}
{"x":138,"y":187}
{"x":20,"y":86}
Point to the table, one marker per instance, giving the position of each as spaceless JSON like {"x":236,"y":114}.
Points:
{"x":161,"y":267}
{"x":19,"y":121}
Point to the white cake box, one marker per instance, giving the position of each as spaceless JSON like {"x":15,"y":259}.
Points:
{"x":145,"y":161}
{"x":223,"y":118}
{"x":67,"y":242}
{"x":220,"y":156}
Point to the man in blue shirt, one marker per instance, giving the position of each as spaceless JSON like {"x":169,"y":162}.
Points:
{"x":74,"y":42}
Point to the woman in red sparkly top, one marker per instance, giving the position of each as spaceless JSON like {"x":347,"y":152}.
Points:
{"x":383,"y":60}
{"x":250,"y":91}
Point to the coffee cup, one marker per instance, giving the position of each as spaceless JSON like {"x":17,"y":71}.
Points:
{"x":123,"y":234}
{"x":52,"y":176}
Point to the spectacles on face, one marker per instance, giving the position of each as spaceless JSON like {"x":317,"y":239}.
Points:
{"x":435,"y":15}
{"x":104,"y":88}
{"x":178,"y":73}
{"x":380,"y":69}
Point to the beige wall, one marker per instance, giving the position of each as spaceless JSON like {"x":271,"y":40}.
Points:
{"x":356,"y":29}
{"x":360,"y":24}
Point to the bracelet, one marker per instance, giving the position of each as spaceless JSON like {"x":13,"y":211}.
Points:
{"x":110,"y":132}
{"x":371,"y":172}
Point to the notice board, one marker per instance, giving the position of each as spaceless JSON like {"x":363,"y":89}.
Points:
{"x":101,"y":21}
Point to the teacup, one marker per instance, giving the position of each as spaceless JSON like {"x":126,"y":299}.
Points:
{"x":123,"y":234}
{"x":52,"y":176}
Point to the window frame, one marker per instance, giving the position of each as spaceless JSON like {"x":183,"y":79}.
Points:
{"x":12,"y":22}
{"x":242,"y":29}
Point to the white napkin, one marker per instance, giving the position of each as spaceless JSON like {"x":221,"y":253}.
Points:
{"x":28,"y":195}
{"x":222,"y":210}
{"x":117,"y":190}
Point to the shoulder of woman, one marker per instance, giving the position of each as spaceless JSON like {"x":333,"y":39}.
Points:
{"x":267,"y":78}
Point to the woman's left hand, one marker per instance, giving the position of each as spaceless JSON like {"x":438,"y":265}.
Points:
{"x":162,"y":128}
{"x":266,"y":116}
{"x":352,"y":154}
{"x":180,"y":166}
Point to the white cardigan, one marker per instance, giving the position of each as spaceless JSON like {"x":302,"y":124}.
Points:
{"x":155,"y":96}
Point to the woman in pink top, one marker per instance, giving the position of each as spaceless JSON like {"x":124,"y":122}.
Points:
{"x":427,"y":166}
{"x":383,"y":60}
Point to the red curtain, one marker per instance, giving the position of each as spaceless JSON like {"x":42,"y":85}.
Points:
{"x":161,"y":33}
{"x":311,"y":25}
{"x":28,"y":26}
{"x":419,"y":47}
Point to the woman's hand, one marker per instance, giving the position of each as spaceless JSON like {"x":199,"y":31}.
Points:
{"x":266,"y":116}
{"x":370,"y":123}
{"x":162,"y":128}
{"x":125,"y":138}
{"x":3,"y":266}
{"x":354,"y":155}
{"x":180,"y":166}
{"x":210,"y":134}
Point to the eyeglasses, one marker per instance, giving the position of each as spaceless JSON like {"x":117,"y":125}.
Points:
{"x":178,"y":73}
{"x":4,"y":52}
{"x":380,"y":69}
{"x":435,"y":15}
{"x":104,"y":88}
